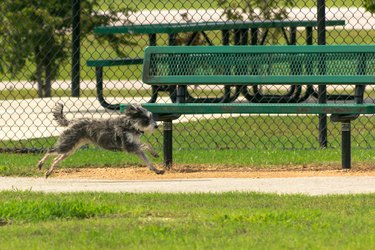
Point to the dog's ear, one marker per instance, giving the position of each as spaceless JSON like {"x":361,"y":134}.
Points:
{"x":134,"y":106}
{"x":132,"y":109}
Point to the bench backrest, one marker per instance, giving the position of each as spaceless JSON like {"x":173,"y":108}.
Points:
{"x":246,"y":65}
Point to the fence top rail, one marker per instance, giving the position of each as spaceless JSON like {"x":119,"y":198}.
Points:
{"x":172,"y":28}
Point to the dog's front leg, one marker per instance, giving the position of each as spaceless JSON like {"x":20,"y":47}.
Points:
{"x":149,"y":148}
{"x":142,"y":156}
{"x":128,"y":145}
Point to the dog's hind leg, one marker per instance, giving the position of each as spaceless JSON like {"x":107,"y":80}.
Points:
{"x":41,"y":162}
{"x":142,"y":156}
{"x":56,"y":161}
{"x":45,"y":157}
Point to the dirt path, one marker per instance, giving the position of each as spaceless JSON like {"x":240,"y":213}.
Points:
{"x":194,"y":172}
{"x":310,"y":180}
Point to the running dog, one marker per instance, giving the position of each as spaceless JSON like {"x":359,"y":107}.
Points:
{"x":116,"y":134}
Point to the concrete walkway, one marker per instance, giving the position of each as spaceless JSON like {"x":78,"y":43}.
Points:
{"x":355,"y":18}
{"x":302,"y":185}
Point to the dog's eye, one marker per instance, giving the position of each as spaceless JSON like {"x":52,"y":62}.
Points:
{"x":145,"y":123}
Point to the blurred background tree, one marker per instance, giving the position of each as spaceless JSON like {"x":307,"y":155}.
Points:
{"x":252,"y":10}
{"x":370,"y":5}
{"x":40,"y":32}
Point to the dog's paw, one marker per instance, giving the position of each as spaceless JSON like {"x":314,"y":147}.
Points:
{"x":48,"y":173}
{"x":159,"y":171}
{"x":39,"y":166}
{"x":155,"y":155}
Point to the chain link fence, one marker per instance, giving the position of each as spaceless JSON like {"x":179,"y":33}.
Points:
{"x":45,"y":46}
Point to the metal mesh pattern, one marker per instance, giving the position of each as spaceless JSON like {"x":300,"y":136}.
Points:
{"x":280,"y":64}
{"x":45,"y":45}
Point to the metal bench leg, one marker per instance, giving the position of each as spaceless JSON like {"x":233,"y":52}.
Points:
{"x":168,"y":144}
{"x":346,"y":158}
{"x":99,"y":90}
{"x":346,"y":145}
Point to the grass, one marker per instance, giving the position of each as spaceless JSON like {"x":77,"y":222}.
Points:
{"x":185,"y":221}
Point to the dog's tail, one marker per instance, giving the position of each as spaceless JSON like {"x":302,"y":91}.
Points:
{"x":59,"y":116}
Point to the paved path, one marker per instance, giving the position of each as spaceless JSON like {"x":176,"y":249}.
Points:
{"x":302,"y":185}
{"x":355,"y":17}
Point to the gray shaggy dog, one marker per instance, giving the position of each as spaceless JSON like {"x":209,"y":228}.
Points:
{"x":116,"y":134}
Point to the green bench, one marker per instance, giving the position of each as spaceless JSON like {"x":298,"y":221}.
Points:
{"x":182,"y":66}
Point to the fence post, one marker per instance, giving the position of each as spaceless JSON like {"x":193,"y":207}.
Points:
{"x":76,"y":30}
{"x":322,"y":91}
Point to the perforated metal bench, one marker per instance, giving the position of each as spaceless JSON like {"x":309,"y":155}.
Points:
{"x":255,"y":65}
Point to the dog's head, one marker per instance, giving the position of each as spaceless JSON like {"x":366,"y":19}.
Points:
{"x":143,"y":119}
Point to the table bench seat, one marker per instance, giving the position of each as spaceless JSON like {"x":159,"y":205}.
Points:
{"x":255,"y":108}
{"x":114,"y":62}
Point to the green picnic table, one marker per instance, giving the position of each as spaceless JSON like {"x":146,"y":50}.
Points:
{"x":245,"y":33}
{"x":201,"y":27}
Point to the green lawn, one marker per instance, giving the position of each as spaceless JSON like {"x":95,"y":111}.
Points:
{"x":31,"y":220}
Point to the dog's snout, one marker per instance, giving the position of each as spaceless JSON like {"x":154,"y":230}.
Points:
{"x":156,"y":126}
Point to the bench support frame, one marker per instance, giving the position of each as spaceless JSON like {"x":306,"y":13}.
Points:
{"x":346,"y":157}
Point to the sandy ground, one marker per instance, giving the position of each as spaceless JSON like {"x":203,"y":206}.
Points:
{"x":204,"y":171}
{"x":309,"y":180}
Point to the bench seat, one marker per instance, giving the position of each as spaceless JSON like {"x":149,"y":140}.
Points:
{"x":256,"y":108}
{"x":114,"y":62}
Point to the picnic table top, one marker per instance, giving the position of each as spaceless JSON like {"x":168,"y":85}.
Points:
{"x":172,"y":28}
